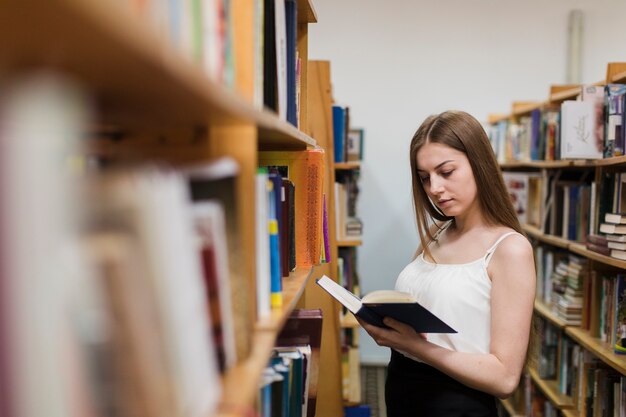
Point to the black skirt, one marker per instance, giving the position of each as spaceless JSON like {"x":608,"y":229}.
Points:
{"x":414,"y":389}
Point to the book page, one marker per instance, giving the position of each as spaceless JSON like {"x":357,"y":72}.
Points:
{"x":345,"y":297}
{"x":388,"y":296}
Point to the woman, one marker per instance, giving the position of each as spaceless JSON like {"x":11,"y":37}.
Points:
{"x":474,"y":269}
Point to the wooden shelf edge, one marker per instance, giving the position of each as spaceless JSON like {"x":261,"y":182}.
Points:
{"x":173,"y":90}
{"x":240,"y":384}
{"x":566,"y":163}
{"x":525,"y":108}
{"x":274,"y":132}
{"x":293,"y":287}
{"x":570,"y":413}
{"x":508,"y":406}
{"x":565,"y":94}
{"x":601,"y":349}
{"x":347,"y":165}
{"x":348,"y":321}
{"x":349,"y":243}
{"x":551,"y":391}
{"x":598,"y":257}
{"x":549,"y":239}
{"x":306,"y":12}
{"x":546,"y":312}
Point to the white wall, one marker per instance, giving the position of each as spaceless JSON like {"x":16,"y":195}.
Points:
{"x":395,"y":62}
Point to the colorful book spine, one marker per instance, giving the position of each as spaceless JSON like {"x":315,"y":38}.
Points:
{"x":327,"y":257}
{"x":275,"y":275}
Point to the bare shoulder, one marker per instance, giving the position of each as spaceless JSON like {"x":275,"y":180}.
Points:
{"x":515,"y":245}
{"x":514,"y":253}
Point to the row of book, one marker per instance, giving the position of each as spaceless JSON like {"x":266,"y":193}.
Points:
{"x":288,"y":387}
{"x":570,"y":205}
{"x":347,"y":141}
{"x":348,"y":224}
{"x":560,"y":282}
{"x":594,"y":388}
{"x":587,"y":128}
{"x":203,"y":32}
{"x":128,"y":294}
{"x":581,"y":296}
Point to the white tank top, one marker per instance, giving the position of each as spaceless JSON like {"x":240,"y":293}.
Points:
{"x":459,"y":294}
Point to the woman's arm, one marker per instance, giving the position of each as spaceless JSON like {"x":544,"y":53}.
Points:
{"x":512,"y":273}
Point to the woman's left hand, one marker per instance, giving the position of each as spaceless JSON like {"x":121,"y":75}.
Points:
{"x":398,"y":336}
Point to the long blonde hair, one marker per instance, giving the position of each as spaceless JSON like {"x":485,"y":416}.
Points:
{"x":462,"y":132}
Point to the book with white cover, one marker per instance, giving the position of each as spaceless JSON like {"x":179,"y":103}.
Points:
{"x":578,"y":121}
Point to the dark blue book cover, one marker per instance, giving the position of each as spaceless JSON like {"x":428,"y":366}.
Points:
{"x":339,"y":129}
{"x":291,"y":17}
{"x":409,"y":312}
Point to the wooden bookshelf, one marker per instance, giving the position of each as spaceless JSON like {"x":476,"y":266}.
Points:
{"x":348,"y":321}
{"x":293,"y":287}
{"x":601,"y":349}
{"x":549,"y":239}
{"x":347,"y":165}
{"x":588,"y":170}
{"x":551,"y":390}
{"x":349,"y":243}
{"x":508,"y":406}
{"x":560,"y":93}
{"x":546,"y":312}
{"x":598,"y":257}
{"x":570,"y":412}
{"x":523,"y":108}
{"x":161,"y":107}
{"x":616,"y":73}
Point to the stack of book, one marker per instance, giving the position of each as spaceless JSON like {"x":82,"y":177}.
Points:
{"x":567,"y":290}
{"x":612,"y":242}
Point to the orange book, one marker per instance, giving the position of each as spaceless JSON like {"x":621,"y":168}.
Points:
{"x":306,"y":170}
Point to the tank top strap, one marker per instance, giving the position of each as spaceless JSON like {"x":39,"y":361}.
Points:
{"x":493,"y":248}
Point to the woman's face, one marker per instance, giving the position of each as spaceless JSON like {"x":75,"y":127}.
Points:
{"x":447,"y":178}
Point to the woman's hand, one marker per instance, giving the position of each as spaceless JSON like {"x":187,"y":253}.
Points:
{"x":399,"y":336}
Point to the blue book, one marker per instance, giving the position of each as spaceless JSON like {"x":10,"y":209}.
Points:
{"x":291,"y":26}
{"x":339,"y":131}
{"x":275,"y":275}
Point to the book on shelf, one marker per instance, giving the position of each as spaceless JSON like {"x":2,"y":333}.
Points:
{"x":578,"y":130}
{"x":618,"y":254}
{"x":377,"y":305}
{"x":306,"y":170}
{"x":262,"y":235}
{"x":210,"y":225}
{"x":134,"y":350}
{"x":614,"y":113}
{"x":153,"y":205}
{"x":341,"y":129}
{"x":616,"y":218}
{"x":291,"y":30}
{"x":620,"y":315}
{"x":304,"y":329}
{"x":595,"y":95}
{"x":355,"y":145}
{"x":288,"y":238}
{"x":216,"y":180}
{"x":610,"y":228}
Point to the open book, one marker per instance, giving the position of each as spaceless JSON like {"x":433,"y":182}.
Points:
{"x":386,"y":303}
